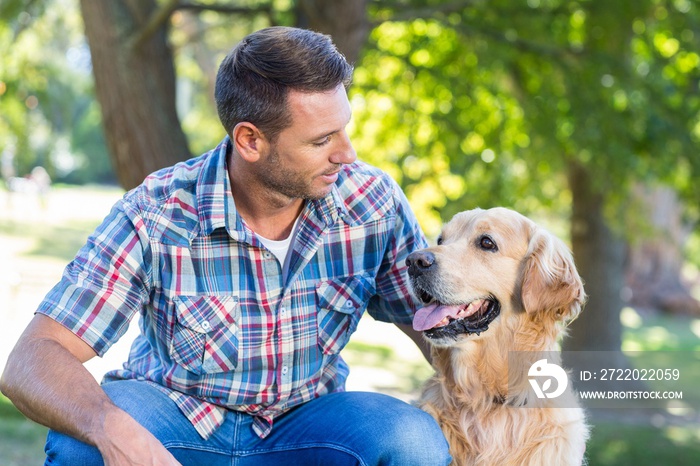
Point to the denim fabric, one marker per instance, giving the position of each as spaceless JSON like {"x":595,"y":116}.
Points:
{"x":345,"y":428}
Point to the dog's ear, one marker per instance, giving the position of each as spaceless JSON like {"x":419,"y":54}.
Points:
{"x":551,"y":281}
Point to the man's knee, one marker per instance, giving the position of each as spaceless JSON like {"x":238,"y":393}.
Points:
{"x":416,"y":439}
{"x":147,"y":405}
{"x":62,"y":449}
{"x":402,"y":434}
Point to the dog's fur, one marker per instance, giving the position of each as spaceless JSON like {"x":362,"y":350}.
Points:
{"x":532,"y":276}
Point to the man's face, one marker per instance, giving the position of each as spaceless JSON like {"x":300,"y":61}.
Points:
{"x":305,"y":160}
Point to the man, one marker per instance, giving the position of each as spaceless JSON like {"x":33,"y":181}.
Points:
{"x":250,"y":267}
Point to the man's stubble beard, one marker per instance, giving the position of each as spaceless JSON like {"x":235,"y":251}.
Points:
{"x":289,"y":183}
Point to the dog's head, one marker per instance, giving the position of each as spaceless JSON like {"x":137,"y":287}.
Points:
{"x":491,"y":265}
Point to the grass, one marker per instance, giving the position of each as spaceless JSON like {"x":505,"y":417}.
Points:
{"x":661,"y":341}
{"x":397,"y":376}
{"x":21,"y":440}
{"x":613,"y":444}
{"x":659,"y":332}
{"x":629,"y":440}
{"x":50,"y":241}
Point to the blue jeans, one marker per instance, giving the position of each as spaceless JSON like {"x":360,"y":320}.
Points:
{"x":348,"y":428}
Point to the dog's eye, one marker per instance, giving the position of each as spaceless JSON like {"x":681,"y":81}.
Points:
{"x":487,"y":244}
{"x":439,"y":240}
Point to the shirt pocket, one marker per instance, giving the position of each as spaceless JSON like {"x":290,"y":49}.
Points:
{"x":206,"y":333}
{"x":341,"y":302}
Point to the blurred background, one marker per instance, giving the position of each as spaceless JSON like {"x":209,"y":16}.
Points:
{"x":583,"y":115}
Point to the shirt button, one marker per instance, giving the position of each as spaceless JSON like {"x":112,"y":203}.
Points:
{"x":206,"y":325}
{"x":267,"y":255}
{"x":283,"y":311}
{"x":349,"y":303}
{"x":285,"y":369}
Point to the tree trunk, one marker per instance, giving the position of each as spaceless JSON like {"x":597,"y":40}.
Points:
{"x":345,"y":21}
{"x":656,"y":260}
{"x":135,"y":86}
{"x":600,"y":258}
{"x":596,"y":336}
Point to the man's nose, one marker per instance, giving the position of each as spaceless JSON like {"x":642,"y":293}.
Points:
{"x":344,"y":153}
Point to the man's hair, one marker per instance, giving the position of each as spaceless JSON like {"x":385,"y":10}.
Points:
{"x":256,"y":76}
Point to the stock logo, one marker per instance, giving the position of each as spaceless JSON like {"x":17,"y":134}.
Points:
{"x":543,"y":370}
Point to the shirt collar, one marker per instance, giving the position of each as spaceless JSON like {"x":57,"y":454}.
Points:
{"x":215,"y":200}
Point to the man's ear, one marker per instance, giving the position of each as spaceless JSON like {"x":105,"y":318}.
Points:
{"x":551,"y":281}
{"x":249,"y":141}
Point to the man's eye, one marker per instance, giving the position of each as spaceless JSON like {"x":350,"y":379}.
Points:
{"x":323,"y":141}
{"x":487,"y":243}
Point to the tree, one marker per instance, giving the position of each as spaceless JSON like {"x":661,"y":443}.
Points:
{"x":135,"y":74}
{"x":656,"y":257}
{"x":346,"y":21}
{"x":550,"y":106}
{"x":571,"y":101}
{"x":135,"y":85}
{"x":48,"y":116}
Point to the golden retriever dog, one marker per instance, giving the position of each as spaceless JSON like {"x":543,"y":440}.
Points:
{"x":496,"y":285}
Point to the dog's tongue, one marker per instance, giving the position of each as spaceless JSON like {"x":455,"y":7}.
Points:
{"x":431,"y":315}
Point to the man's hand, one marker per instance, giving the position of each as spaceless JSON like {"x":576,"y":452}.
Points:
{"x":46,"y":380}
{"x":125,"y":442}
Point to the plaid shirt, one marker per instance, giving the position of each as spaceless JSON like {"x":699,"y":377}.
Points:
{"x":220,"y":326}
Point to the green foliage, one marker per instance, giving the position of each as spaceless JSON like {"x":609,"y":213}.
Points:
{"x":200,"y":42}
{"x":428,"y":112}
{"x":489,"y":103}
{"x":466,"y":103}
{"x":48,"y":114}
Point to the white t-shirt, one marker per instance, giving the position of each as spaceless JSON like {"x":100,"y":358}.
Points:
{"x":281,"y":248}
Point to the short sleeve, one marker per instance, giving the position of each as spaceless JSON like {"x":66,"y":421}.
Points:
{"x":106,"y":283}
{"x":393,"y":301}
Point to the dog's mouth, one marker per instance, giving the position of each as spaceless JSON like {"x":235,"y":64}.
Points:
{"x":439,"y":320}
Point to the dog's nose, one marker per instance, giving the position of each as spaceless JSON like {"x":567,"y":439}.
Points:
{"x":419,"y":262}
